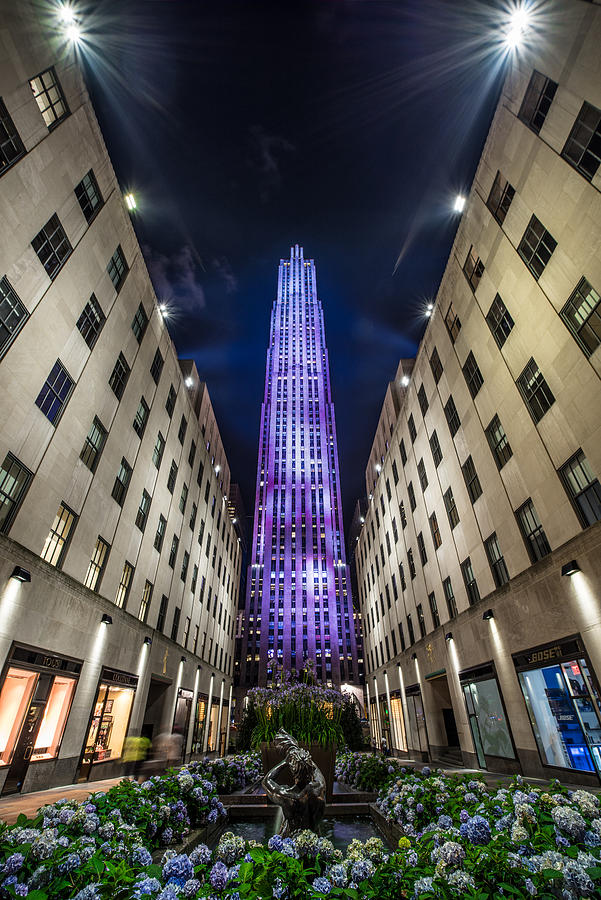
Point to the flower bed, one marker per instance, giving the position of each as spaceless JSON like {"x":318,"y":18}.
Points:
{"x":366,"y":771}
{"x":231,"y":774}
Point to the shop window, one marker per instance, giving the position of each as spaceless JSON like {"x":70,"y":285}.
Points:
{"x":14,"y":481}
{"x":499,"y":321}
{"x":581,"y":314}
{"x":60,"y":534}
{"x":109,"y":724}
{"x":13,"y":313}
{"x":487,"y":719}
{"x":48,"y":95}
{"x":583,"y":488}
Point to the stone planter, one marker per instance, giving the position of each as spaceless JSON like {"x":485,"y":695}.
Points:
{"x":323,"y":757}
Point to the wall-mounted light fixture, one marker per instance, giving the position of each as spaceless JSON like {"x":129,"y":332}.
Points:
{"x":414,"y":656}
{"x":570,"y":568}
{"x":488,"y":614}
{"x":106,"y":619}
{"x":183,"y":659}
{"x":21,"y":574}
{"x":148,"y":641}
{"x":448,"y":636}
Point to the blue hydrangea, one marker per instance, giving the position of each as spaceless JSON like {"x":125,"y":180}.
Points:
{"x":71,"y":862}
{"x":426,"y":771}
{"x":14,"y":863}
{"x":445,"y":822}
{"x":362,"y":869}
{"x":145,"y":888}
{"x":141,"y":856}
{"x":201,"y":855}
{"x":218,"y":876}
{"x":275,"y":843}
{"x":338,"y":875}
{"x":477,"y":830}
{"x":279,"y":890}
{"x":322,"y":885}
{"x":191,"y":887}
{"x":89,"y":892}
{"x":21,"y":890}
{"x":178,"y":870}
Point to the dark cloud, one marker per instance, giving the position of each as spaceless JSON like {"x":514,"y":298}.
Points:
{"x":222,"y":268}
{"x":264,"y":152}
{"x":177,"y":277}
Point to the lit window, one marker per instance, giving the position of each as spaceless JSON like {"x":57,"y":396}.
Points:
{"x":436,"y":538}
{"x":537,"y":101}
{"x":49,"y":97}
{"x":536,"y":247}
{"x":11,"y":145}
{"x":52,"y":245}
{"x":583,"y":488}
{"x":59,"y":536}
{"x":89,"y":196}
{"x":97,"y":565}
{"x":145,"y":602}
{"x":583,"y":146}
{"x":13,"y":314}
{"x":117,"y":268}
{"x":121,"y":482}
{"x":55,"y":393}
{"x":14,"y":481}
{"x":124,"y":585}
{"x":581,"y":314}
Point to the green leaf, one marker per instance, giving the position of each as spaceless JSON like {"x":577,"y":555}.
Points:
{"x":594,"y":872}
{"x":550,"y":874}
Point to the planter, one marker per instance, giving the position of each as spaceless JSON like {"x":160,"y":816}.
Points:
{"x":323,"y":757}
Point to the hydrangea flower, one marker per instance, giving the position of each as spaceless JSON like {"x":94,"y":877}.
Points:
{"x":218,"y":876}
{"x":322,"y":886}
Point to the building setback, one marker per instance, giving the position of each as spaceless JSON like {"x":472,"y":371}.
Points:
{"x":298,"y":600}
{"x":483,"y":487}
{"x":113,"y":477}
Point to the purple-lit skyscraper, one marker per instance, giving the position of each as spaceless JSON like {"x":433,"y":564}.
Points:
{"x":298,"y":599}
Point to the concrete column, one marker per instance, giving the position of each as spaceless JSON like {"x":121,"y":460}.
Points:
{"x":205,"y":740}
{"x":139,"y":704}
{"x":218,"y":744}
{"x":178,"y":683}
{"x":368,"y":710}
{"x":229,"y":719}
{"x":403,"y":707}
{"x":393,"y":735}
{"x":191,"y":723}
{"x":378,"y":707}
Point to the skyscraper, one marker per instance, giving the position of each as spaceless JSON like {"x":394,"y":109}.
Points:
{"x":298,"y":600}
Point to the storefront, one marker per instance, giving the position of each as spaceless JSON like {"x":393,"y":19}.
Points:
{"x":35,"y":699}
{"x":183,"y":709}
{"x":562,"y":699}
{"x":417,"y":733}
{"x":487,"y":717}
{"x":109,"y":721}
{"x":199,"y":724}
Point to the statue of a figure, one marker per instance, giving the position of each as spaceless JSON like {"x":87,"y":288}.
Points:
{"x":303,"y":803}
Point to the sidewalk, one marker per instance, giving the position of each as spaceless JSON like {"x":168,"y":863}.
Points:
{"x":15,"y":804}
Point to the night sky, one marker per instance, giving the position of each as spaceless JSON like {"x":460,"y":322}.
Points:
{"x":245,"y":127}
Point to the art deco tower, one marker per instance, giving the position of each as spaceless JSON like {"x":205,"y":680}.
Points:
{"x":298,"y":602}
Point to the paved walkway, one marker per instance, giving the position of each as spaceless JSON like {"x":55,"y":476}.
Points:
{"x":15,"y":804}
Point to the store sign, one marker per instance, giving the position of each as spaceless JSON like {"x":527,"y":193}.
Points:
{"x":548,"y":653}
{"x":121,"y":678}
{"x":43,"y":660}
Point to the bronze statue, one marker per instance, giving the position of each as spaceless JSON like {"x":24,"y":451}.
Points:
{"x":303,"y":803}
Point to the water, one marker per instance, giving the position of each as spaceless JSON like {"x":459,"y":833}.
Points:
{"x":340,"y":831}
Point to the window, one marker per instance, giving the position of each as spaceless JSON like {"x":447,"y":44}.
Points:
{"x":472,"y":482}
{"x":469,"y":579}
{"x":411,"y":563}
{"x":537,"y":101}
{"x":194,"y":579}
{"x":423,"y":400}
{"x":452,"y":416}
{"x":162,"y":612}
{"x":450,"y":598}
{"x":170,"y":402}
{"x":145,"y":602}
{"x":420,"y":619}
{"x":537,"y":394}
{"x":160,"y":533}
{"x":412,"y":431}
{"x":55,"y":393}
{"x":157,"y":366}
{"x":473,"y":268}
{"x":532,"y":531}
{"x":435,"y":448}
{"x":402,"y":577}
{"x":583,"y":488}
{"x":159,"y":447}
{"x":411,"y":492}
{"x":536,"y":247}
{"x":472,"y":374}
{"x":410,"y":631}
{"x":421,"y":471}
{"x":119,"y":376}
{"x":14,"y":481}
{"x":181,"y":434}
{"x":402,"y":513}
{"x":173,"y":551}
{"x":451,"y":507}
{"x":97,"y":565}
{"x":93,"y":444}
{"x":581,"y":314}
{"x":49,"y":97}
{"x":403,"y":451}
{"x":193,"y":513}
{"x":183,"y":498}
{"x":121,"y":482}
{"x":117,"y":268}
{"x":139,"y":423}
{"x":143,"y":509}
{"x":91,"y":321}
{"x":13,"y":314}
{"x":434,"y":610}
{"x":185,"y":564}
{"x":395,"y":472}
{"x":496,"y":561}
{"x":124,"y":585}
{"x":139,"y":323}
{"x":436,"y":538}
{"x":175,"y":624}
{"x":583,"y":146}
{"x":89,"y":196}
{"x":436,"y":365}
{"x":499,"y":321}
{"x":11,"y":145}
{"x":500,"y":197}
{"x":59,"y":536}
{"x":192,"y":454}
{"x":172,"y":476}
{"x":498,"y":443}
{"x":52,"y":246}
{"x":421,"y":546}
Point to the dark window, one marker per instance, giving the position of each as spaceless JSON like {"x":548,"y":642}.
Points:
{"x":193,"y":514}
{"x":472,"y":374}
{"x":55,"y":393}
{"x":403,"y":451}
{"x":194,"y":578}
{"x":532,"y":531}
{"x":160,"y":533}
{"x":472,"y":482}
{"x":192,"y":454}
{"x":411,"y":492}
{"x":452,"y":416}
{"x":118,"y":268}
{"x":537,"y":101}
{"x":14,"y":481}
{"x":157,"y":367}
{"x":410,"y":631}
{"x":52,"y":245}
{"x":435,"y":448}
{"x":583,"y":488}
{"x":499,"y":321}
{"x":170,"y":402}
{"x":141,"y":419}
{"x":402,"y":577}
{"x":537,"y":394}
{"x":583,"y":147}
{"x":536,"y":247}
{"x":183,"y":498}
{"x":496,"y":561}
{"x":162,"y":612}
{"x":175,"y":625}
{"x":434,"y":610}
{"x":11,"y":145}
{"x":436,"y":538}
{"x":436,"y":365}
{"x":172,"y":476}
{"x":159,"y":447}
{"x":581,"y":314}
{"x":473,"y":268}
{"x":403,"y":516}
{"x":395,"y":472}
{"x":395,"y":531}
{"x":388,"y":492}
{"x":420,"y":619}
{"x":91,"y":321}
{"x":121,"y":482}
{"x":119,"y":376}
{"x":89,"y":196}
{"x":422,"y":549}
{"x":411,"y":563}
{"x":93,"y":444}
{"x":500,"y":197}
{"x":49,"y":97}
{"x":450,"y":598}
{"x":139,"y":323}
{"x":421,"y":471}
{"x":13,"y":313}
{"x":423,"y":400}
{"x":181,"y":434}
{"x":498,"y":443}
{"x":185,"y":563}
{"x":143,"y":510}
{"x":469,"y":579}
{"x":412,"y":431}
{"x":173,"y":551}
{"x":451,"y":507}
